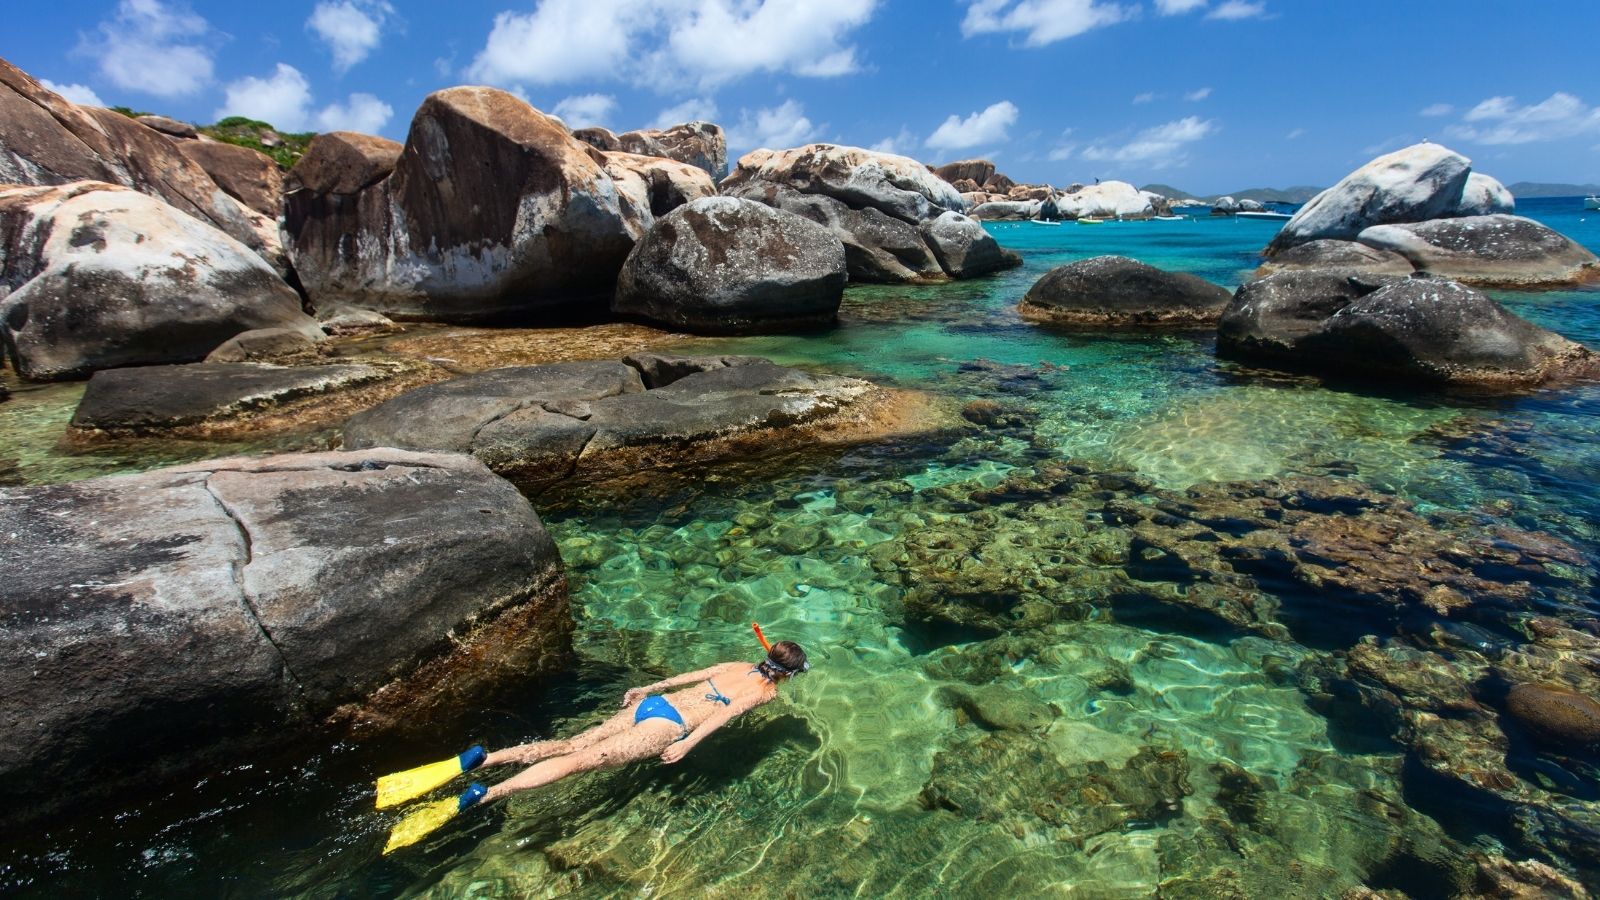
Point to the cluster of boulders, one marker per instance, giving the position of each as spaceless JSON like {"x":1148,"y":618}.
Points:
{"x":1422,"y":208}
{"x":1101,"y":200}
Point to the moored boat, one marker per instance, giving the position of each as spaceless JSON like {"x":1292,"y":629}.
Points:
{"x":1091,"y":220}
{"x":1592,"y":202}
{"x":1269,"y":214}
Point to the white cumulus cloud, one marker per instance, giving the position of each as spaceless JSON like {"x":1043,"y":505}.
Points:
{"x":695,"y":109}
{"x":153,"y":47}
{"x":1500,"y":120}
{"x":352,"y":29}
{"x":901,"y":143}
{"x":283,"y":100}
{"x":708,"y":42}
{"x":986,"y":127}
{"x":74,"y":93}
{"x":1158,"y":147}
{"x":1233,"y":10}
{"x":586,"y":110}
{"x":1044,"y":21}
{"x":778,"y":128}
{"x":361,"y":112}
{"x":1198,"y":94}
{"x":1438,"y":109}
{"x":1178,"y":7}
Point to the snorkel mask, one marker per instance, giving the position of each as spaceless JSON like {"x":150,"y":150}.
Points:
{"x":778,"y":667}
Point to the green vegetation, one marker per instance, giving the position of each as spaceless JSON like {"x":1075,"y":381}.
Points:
{"x":130,"y":113}
{"x":284,"y":148}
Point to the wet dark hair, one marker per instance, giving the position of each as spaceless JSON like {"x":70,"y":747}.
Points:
{"x":784,"y":659}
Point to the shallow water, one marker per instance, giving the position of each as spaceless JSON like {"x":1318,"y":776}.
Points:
{"x":1091,"y":755}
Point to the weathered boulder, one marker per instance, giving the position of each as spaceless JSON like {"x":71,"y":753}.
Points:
{"x":1108,"y":199}
{"x":1269,"y":316}
{"x":1485,"y":196}
{"x":999,"y":184}
{"x":964,"y":249}
{"x":46,"y":140}
{"x":726,"y":265}
{"x":1488,"y":250}
{"x":169,"y":127}
{"x":343,"y":320}
{"x":248,"y":176}
{"x":1422,"y":328}
{"x":1117,"y":291}
{"x":1224,"y":206}
{"x":1415,"y":184}
{"x":1007,"y":210}
{"x":1248,"y":205}
{"x":492,"y":212}
{"x":699,"y":144}
{"x":155,"y":625}
{"x":978,"y":171}
{"x":1328,"y":254}
{"x":97,"y":276}
{"x":878,"y":248}
{"x":965,"y":186}
{"x":593,"y":420}
{"x":155,"y":398}
{"x":655,"y":186}
{"x":598,"y":138}
{"x":263,"y":343}
{"x":1030,"y":192}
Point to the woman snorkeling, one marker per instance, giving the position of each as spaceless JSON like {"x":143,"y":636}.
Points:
{"x":651,"y":723}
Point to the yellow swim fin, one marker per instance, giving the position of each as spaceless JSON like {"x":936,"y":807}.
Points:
{"x":430,"y":816}
{"x":396,"y":789}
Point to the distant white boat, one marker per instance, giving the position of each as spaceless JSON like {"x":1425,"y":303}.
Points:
{"x":1043,"y":222}
{"x":1170,"y":218}
{"x":1275,"y":216}
{"x":1591,"y":203}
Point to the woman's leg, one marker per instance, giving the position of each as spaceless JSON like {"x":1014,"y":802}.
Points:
{"x":530,"y":753}
{"x":641,"y":741}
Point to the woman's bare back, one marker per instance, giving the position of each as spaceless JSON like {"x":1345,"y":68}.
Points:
{"x":739,"y":682}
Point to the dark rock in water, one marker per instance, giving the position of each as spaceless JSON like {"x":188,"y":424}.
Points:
{"x":1327,"y":254}
{"x":992,"y":414}
{"x":112,"y":277}
{"x":1378,"y":326}
{"x":725,"y":265}
{"x":152,"y":398}
{"x":878,"y":248}
{"x":1268,"y":317}
{"x":262,"y":343}
{"x":1488,"y":250}
{"x":1118,"y":291}
{"x":964,"y":249}
{"x":157,"y":625}
{"x":1556,"y":714}
{"x":343,"y":320}
{"x":1441,"y":331}
{"x":542,"y":424}
{"x":1499,"y":878}
{"x":493,"y":211}
{"x":46,"y":140}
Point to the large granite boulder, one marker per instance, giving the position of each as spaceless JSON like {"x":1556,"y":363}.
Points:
{"x":493,"y":211}
{"x":248,"y":176}
{"x":1106,"y":200}
{"x":964,"y":249}
{"x":724,"y":265}
{"x":46,"y":140}
{"x":1009,"y":210}
{"x":1485,"y":196}
{"x":1331,"y":255}
{"x":655,"y":186}
{"x":1487,"y":250}
{"x":699,"y":144}
{"x":978,"y":171}
{"x":150,"y":399}
{"x":1420,"y":328}
{"x":96,"y":276}
{"x":1415,"y":184}
{"x":156,"y":625}
{"x":1224,"y":206}
{"x":1115,"y":291}
{"x":605,"y":419}
{"x":884,"y":190}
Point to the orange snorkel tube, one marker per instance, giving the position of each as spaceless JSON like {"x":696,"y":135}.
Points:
{"x":765,"y":645}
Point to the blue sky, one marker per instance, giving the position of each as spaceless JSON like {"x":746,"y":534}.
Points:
{"x":1209,"y":95}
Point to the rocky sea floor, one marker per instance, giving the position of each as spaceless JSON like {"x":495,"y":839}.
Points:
{"x":1160,"y":624}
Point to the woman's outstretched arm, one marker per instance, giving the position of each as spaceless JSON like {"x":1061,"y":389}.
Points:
{"x":634,"y":695}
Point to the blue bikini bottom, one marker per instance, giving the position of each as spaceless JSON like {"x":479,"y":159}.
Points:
{"x":658,"y":708}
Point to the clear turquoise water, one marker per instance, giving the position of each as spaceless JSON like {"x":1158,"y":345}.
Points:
{"x":828,"y":795}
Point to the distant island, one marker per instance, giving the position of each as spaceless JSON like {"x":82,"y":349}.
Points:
{"x":1541,"y":189}
{"x":1297,"y":194}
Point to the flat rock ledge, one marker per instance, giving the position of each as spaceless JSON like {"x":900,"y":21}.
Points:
{"x":154,"y":625}
{"x":164,"y":399}
{"x":603,"y":420}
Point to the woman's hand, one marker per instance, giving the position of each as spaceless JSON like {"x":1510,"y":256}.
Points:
{"x":634,"y":695}
{"x":676,"y":752}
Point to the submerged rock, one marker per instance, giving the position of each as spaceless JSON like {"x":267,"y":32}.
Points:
{"x":98,"y":276}
{"x":598,"y":420}
{"x":155,"y":398}
{"x":1556,"y":714}
{"x":724,"y":265}
{"x":158,"y":624}
{"x":263,"y":343}
{"x":1118,"y":291}
{"x":1487,"y":250}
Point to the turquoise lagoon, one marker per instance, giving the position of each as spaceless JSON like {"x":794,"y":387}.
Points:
{"x":1096,"y":755}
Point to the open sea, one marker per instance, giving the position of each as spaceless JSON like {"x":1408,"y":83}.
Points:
{"x":1072,"y":731}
